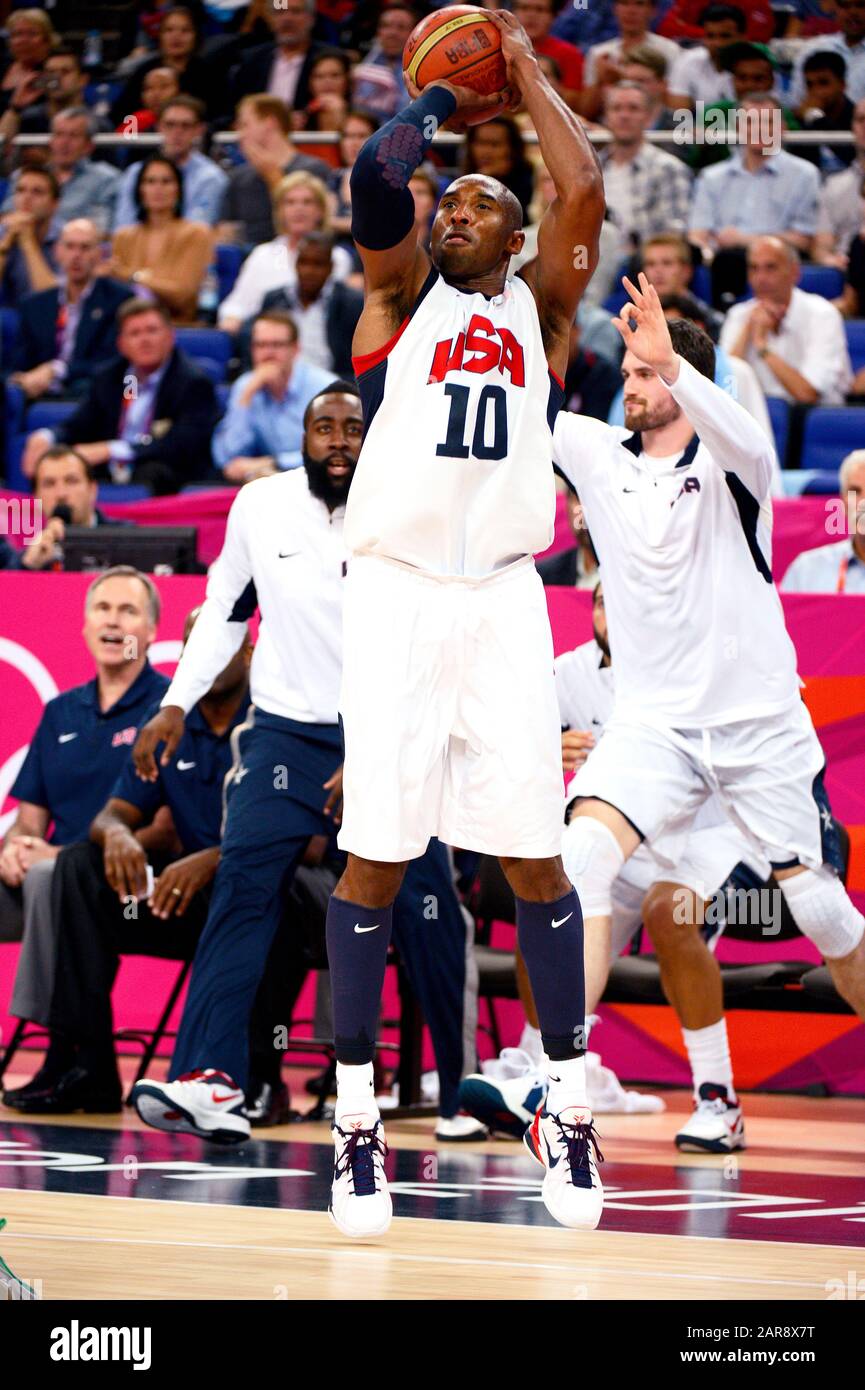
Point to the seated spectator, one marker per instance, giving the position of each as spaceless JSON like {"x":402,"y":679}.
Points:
{"x":683,"y":19}
{"x":842,"y":210}
{"x":300,"y":205}
{"x":647,"y":190}
{"x":164,"y":253}
{"x":611,"y":253}
{"x":537,"y":18}
{"x":98,"y":878}
{"x":839,"y":567}
{"x":852,"y":300}
{"x":67,"y":331}
{"x":760,"y":190}
{"x":28,"y":237}
{"x":181,"y":129}
{"x":604,"y":60}
{"x":795,"y":341}
{"x":88,"y":187}
{"x":668,"y":264}
{"x":576,"y":567}
{"x":753,"y":69}
{"x":179,"y":49}
{"x":147,"y":417}
{"x":378,"y":84}
{"x":647,"y":69}
{"x":698,"y":74}
{"x":849,"y":42}
{"x":329,"y":92}
{"x":827,"y":107}
{"x":30,"y":38}
{"x":325,"y":311}
{"x":263,"y":125}
{"x":358,"y":127}
{"x":261,"y":431}
{"x":62,"y":82}
{"x":496,"y":148}
{"x":77,"y":752}
{"x":280,"y":68}
{"x":64,"y":488}
{"x":158,"y":86}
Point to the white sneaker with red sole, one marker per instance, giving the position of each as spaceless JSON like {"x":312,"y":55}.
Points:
{"x":206,"y":1103}
{"x":716,"y":1125}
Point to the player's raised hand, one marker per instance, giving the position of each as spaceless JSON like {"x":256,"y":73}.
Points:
{"x":644,"y":329}
{"x":471,"y":105}
{"x":517,"y":49}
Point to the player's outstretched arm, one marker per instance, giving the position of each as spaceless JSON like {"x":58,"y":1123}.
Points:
{"x":382,"y":206}
{"x":730,"y":433}
{"x":571,"y":227}
{"x":221,"y":626}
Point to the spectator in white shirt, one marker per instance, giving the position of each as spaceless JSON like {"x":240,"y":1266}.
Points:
{"x":604,"y":60}
{"x":794,"y":341}
{"x":837,"y":568}
{"x":300,"y":205}
{"x":697,"y":74}
{"x":842,"y":210}
{"x":647,"y":190}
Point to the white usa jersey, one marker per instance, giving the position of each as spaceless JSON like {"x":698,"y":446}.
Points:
{"x":696,"y":626}
{"x":455,"y":474}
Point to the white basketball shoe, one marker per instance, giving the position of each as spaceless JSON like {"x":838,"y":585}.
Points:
{"x":567,"y":1147}
{"x":360,"y":1204}
{"x":206,"y":1103}
{"x":716,"y":1125}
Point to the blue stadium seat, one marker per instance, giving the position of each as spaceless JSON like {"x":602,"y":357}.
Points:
{"x":832,"y":432}
{"x":855,"y":330}
{"x":209,"y":348}
{"x":110,"y":493}
{"x":8,"y":337}
{"x":821,"y":279}
{"x":701,"y":284}
{"x":779,"y":414}
{"x":47,"y":415}
{"x":229,"y":259}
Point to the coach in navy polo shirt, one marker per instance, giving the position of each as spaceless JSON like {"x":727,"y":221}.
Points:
{"x":78,"y":750}
{"x":96,"y":882}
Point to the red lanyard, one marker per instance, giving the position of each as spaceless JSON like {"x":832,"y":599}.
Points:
{"x":842,"y":574}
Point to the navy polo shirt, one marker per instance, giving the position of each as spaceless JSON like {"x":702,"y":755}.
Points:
{"x":78,"y":751}
{"x":191,"y":784}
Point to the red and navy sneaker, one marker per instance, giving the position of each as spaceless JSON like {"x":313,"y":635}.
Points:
{"x":206,"y":1103}
{"x":566,"y":1146}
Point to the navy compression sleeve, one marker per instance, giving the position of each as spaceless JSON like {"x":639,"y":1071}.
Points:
{"x":382,"y":208}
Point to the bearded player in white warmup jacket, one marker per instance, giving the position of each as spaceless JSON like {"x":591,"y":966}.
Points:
{"x":707,"y":695}
{"x":448,"y":700}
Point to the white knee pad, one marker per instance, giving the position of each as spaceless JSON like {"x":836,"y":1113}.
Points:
{"x":592,"y":860}
{"x":823,"y":912}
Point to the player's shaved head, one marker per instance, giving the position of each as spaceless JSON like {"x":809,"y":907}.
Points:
{"x":477,"y":228}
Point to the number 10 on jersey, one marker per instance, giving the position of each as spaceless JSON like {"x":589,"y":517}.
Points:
{"x":470,"y":421}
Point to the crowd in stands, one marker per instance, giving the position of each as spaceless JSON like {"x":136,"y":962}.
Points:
{"x":199,"y":161}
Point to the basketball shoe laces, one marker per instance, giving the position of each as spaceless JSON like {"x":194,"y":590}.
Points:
{"x":577,"y":1138}
{"x":358,"y":1160}
{"x":713,"y":1101}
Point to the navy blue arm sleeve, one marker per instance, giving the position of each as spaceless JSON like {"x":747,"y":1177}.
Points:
{"x":382,"y":207}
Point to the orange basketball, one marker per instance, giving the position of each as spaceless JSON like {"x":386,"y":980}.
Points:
{"x":457,"y":43}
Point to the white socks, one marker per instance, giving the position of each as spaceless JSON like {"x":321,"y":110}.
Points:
{"x":355,"y":1094}
{"x":567,"y":1084}
{"x":709,"y":1055}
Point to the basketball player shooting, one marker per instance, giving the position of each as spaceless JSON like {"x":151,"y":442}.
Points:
{"x":448,"y":698}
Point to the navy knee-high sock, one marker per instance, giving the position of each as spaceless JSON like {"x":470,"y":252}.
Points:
{"x":551,"y":940}
{"x":357,"y":942}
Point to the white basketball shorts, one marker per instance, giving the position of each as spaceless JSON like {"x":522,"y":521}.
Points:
{"x":763,"y":771}
{"x":449,"y":713}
